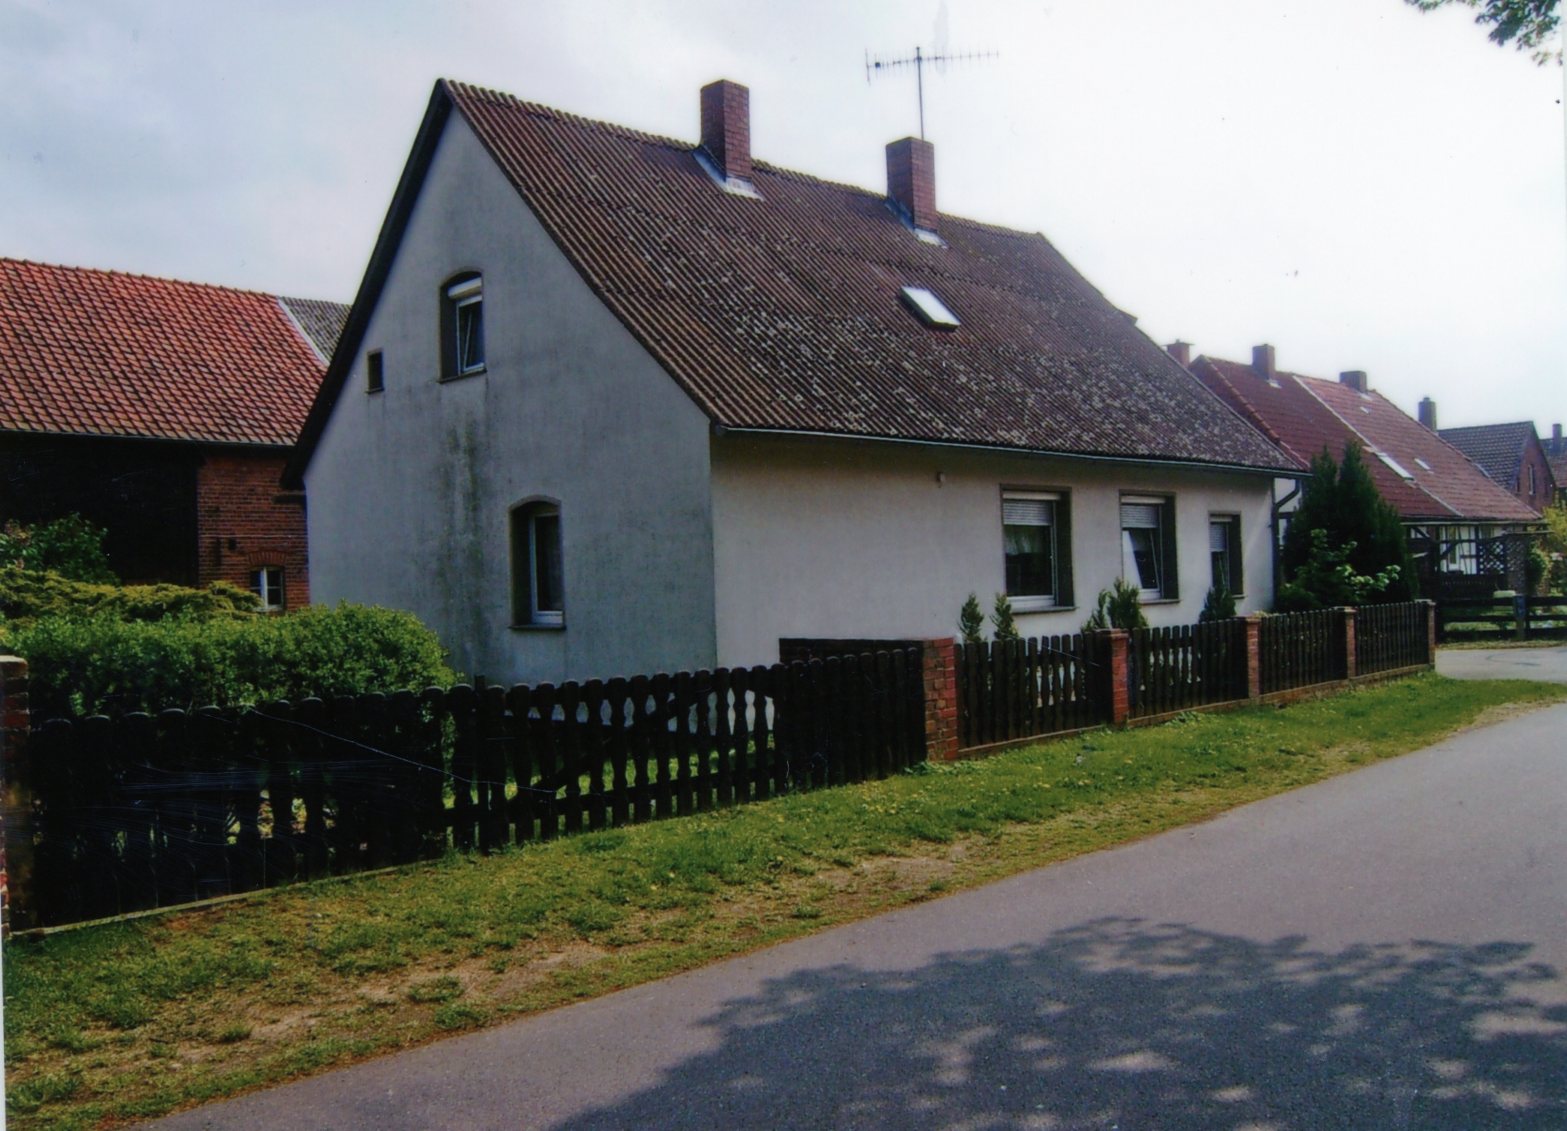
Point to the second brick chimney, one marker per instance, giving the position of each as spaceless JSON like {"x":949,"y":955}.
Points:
{"x":1354,"y":378}
{"x":1182,"y":352}
{"x":1262,"y":361}
{"x":1428,"y":413}
{"x":911,"y":180}
{"x":726,"y":127}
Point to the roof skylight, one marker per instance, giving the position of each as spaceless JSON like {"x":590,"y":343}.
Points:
{"x":1423,"y":463}
{"x":931,"y":310}
{"x":1397,"y":467}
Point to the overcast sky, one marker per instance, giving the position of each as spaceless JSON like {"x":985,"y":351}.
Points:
{"x":1362,"y":185}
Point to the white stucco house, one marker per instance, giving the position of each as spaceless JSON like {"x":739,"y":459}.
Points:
{"x":610,"y":403}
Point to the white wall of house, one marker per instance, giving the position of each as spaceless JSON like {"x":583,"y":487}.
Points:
{"x":839,"y":538}
{"x":410,"y":488}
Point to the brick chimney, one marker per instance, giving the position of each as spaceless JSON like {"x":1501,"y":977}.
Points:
{"x":911,"y":180}
{"x":1354,"y":378}
{"x":1262,"y":361}
{"x":1182,"y":352}
{"x":1428,"y":413}
{"x":1556,"y":433}
{"x":726,"y":127}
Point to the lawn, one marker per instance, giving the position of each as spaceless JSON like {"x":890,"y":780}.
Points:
{"x":111,"y":1023}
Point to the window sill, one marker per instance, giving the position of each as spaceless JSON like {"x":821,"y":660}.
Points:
{"x":531,"y":627}
{"x":1160,"y":601}
{"x":448,"y":378}
{"x":1035,"y":610}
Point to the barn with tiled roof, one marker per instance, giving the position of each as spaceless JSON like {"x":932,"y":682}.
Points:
{"x":163,"y":411}
{"x":651,"y":403}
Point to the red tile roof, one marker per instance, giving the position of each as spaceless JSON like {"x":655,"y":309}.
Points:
{"x":784,"y":313}
{"x":1304,"y":415}
{"x":102,"y":353}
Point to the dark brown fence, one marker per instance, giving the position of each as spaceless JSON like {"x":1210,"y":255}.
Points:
{"x":1191,"y":665}
{"x":1392,"y":636}
{"x":145,"y":811}
{"x":1301,"y":649}
{"x":1018,"y":689}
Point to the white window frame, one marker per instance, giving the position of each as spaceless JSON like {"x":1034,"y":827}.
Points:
{"x":1129,"y":566}
{"x":464,"y":300}
{"x":527,"y":545}
{"x":273,"y":598}
{"x":1030,"y":602}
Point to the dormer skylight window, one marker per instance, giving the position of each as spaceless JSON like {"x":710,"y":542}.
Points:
{"x":931,"y":310}
{"x":1423,"y":463}
{"x":1397,"y":467}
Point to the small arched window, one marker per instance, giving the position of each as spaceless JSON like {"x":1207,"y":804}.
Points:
{"x":462,"y":325}
{"x":537,"y":576}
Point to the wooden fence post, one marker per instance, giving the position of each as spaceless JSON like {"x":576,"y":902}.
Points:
{"x":17,"y":906}
{"x":1351,"y":664}
{"x":1114,"y":693}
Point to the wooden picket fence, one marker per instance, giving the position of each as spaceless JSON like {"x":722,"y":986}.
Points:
{"x":1392,"y":636}
{"x":1301,"y":649}
{"x":1186,"y":666}
{"x":1021,"y":688}
{"x":151,"y":810}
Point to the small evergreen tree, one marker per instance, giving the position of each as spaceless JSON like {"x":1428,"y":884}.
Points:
{"x":1219,"y":604}
{"x":1120,"y":606}
{"x":1002,"y":618}
{"x":1341,"y":500}
{"x":971,"y":621}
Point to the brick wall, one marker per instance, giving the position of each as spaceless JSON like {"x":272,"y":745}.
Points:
{"x":245,"y":520}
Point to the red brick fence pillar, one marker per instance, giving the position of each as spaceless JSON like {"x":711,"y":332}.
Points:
{"x":1351,"y":660}
{"x":1115,"y":692}
{"x":16,"y":801}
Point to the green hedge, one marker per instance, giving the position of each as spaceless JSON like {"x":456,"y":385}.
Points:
{"x":27,"y":595}
{"x":105,"y":663}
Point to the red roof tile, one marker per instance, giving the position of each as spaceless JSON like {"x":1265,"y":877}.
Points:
{"x":102,"y":353}
{"x":1304,"y":415}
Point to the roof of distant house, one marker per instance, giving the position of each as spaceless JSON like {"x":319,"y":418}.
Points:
{"x":104,"y":353}
{"x":784,"y":309}
{"x":1419,"y":475}
{"x":1497,"y":448}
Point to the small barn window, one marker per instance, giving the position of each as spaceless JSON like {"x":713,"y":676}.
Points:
{"x":375,"y":374}
{"x":266,"y":582}
{"x":462,"y":326}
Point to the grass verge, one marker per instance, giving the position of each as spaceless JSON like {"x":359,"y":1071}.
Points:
{"x":113,"y":1023}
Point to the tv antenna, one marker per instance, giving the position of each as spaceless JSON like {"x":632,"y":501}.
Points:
{"x":919,"y":60}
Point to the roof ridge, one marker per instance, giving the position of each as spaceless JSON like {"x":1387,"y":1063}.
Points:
{"x":1254,"y":416}
{"x":116,"y":272}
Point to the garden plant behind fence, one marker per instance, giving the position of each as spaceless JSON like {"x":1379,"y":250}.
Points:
{"x":145,"y":811}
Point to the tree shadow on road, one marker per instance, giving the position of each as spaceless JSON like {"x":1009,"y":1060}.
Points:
{"x":1124,"y":1024}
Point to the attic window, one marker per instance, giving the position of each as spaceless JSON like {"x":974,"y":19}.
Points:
{"x":1397,"y":467}
{"x":931,"y":310}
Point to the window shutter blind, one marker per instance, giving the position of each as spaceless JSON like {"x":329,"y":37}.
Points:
{"x":1143,"y":515}
{"x":1172,"y":580}
{"x":1218,"y":543}
{"x":1026,"y":512}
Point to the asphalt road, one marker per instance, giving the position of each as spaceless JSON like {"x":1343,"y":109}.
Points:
{"x":1504,"y":663}
{"x":1383,"y":950}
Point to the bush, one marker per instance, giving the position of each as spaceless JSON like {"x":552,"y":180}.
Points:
{"x":1120,"y":606}
{"x":101,"y":663}
{"x":1219,"y":604}
{"x":971,"y":621}
{"x":70,"y":546}
{"x":1003,"y":619}
{"x":28,"y":595}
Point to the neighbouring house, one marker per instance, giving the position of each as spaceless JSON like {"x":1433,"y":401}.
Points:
{"x":610,"y":403}
{"x":1511,"y":454}
{"x":1556,"y":454}
{"x":1468,"y":534}
{"x":163,"y":411}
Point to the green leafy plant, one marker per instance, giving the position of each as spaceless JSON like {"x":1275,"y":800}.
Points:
{"x":27,"y":595}
{"x":1120,"y":606}
{"x":971,"y":621}
{"x":1219,"y":604}
{"x":1329,"y":580}
{"x":1003,"y":620}
{"x":70,"y":546}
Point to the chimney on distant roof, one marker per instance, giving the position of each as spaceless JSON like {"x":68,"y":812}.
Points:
{"x":726,"y":127}
{"x":1354,"y":378}
{"x":911,"y":180}
{"x":1428,"y":413}
{"x":1262,"y":361}
{"x":1556,"y":433}
{"x":1182,"y":352}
